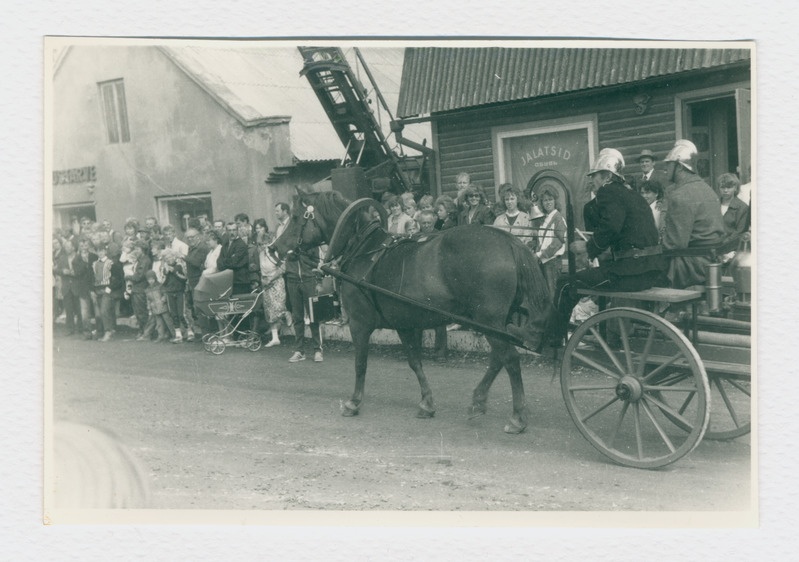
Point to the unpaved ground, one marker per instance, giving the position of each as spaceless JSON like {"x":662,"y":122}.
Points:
{"x":248,"y":430}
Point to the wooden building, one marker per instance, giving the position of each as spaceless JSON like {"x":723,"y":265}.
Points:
{"x":532,"y":116}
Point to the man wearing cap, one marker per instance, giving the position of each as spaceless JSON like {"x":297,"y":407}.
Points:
{"x":623,"y":224}
{"x":693,"y":221}
{"x":648,"y":172}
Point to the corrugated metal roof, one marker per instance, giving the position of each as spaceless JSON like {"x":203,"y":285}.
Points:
{"x":259,"y":83}
{"x":442,"y":79}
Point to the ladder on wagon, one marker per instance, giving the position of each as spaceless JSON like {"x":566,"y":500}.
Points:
{"x":346,"y":102}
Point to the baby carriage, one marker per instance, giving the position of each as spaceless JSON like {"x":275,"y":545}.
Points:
{"x":213,"y":297}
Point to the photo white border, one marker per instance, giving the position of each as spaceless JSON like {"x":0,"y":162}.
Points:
{"x":26,"y":538}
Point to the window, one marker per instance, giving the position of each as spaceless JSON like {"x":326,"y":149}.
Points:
{"x":115,"y":111}
{"x":178,"y":210}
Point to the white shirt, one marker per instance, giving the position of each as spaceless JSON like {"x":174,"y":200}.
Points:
{"x":281,"y":226}
{"x":211,"y":259}
{"x":180,"y":247}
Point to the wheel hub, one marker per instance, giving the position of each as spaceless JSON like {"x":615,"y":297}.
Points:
{"x":629,"y":389}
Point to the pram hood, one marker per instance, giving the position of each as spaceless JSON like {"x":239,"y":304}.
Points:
{"x":214,"y":287}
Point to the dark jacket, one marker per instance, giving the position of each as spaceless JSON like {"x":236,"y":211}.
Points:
{"x":660,"y":176}
{"x":693,"y":220}
{"x":693,"y":217}
{"x":735,"y":223}
{"x":300,"y":265}
{"x":195,"y":263}
{"x":234,"y":255}
{"x":137,"y":278}
{"x":483,"y":215}
{"x":624,"y":222}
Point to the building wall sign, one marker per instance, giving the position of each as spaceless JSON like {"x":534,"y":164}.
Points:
{"x":87,"y":174}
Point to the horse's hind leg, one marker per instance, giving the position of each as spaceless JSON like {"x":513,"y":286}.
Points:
{"x":510,"y":359}
{"x":480,"y":394}
{"x":412,"y":341}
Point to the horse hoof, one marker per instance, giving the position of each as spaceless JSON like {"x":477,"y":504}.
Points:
{"x":349,"y":409}
{"x":424,"y":413}
{"x":513,"y":428}
{"x":476,"y":410}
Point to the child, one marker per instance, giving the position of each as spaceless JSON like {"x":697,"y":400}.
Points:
{"x":173,"y":272}
{"x":158,"y":311}
{"x":156,"y":248}
{"x":408,"y":203}
{"x":425,"y":204}
{"x":411,"y":228}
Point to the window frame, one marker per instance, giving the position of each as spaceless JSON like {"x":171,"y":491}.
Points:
{"x":113,"y":104}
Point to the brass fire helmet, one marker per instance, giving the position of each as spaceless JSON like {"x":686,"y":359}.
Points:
{"x":684,"y":152}
{"x":609,"y":160}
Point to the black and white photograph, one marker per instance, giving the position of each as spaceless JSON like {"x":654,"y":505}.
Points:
{"x":398,"y":281}
{"x":432,"y":281}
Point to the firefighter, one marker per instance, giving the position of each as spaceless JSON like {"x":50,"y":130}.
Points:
{"x":624,"y":225}
{"x":693,"y":218}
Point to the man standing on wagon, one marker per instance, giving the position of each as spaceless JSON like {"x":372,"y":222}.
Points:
{"x":624,"y":225}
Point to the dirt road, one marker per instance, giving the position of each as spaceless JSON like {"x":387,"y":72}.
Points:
{"x":249,"y":431}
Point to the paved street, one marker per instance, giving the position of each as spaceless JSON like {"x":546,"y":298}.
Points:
{"x":248,"y":430}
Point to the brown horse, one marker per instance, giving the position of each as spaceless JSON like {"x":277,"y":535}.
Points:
{"x":478,"y":273}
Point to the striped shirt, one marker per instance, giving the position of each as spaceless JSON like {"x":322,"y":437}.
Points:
{"x":102,"y":272}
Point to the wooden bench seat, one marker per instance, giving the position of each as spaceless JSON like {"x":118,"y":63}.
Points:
{"x":655,"y":294}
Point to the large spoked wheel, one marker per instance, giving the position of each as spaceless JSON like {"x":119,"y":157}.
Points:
{"x":635,"y":388}
{"x":253,"y":342}
{"x":216,"y":345}
{"x":731,"y":398}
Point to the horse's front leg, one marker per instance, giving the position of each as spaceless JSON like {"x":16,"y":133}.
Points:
{"x":360,"y":339}
{"x":412,"y":341}
{"x":480,"y":394}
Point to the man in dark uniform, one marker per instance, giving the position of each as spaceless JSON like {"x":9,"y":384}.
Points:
{"x":623,"y":224}
{"x":693,"y":218}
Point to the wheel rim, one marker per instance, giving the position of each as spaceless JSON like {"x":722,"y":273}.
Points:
{"x":635,"y":388}
{"x":731,"y":397}
{"x":216,"y":345}
{"x":253,"y":341}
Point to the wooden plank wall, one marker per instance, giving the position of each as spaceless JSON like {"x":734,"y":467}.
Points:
{"x":464,"y":141}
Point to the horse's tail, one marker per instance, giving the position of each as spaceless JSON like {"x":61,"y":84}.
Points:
{"x":532,"y":302}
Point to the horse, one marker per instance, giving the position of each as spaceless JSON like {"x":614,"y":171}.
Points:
{"x":484,"y":276}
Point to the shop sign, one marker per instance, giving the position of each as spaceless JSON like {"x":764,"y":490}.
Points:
{"x":87,"y":174}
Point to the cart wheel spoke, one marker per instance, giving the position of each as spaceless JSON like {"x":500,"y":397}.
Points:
{"x":650,"y":338}
{"x":658,"y":427}
{"x":609,"y":352}
{"x":618,"y":424}
{"x":625,"y":343}
{"x":638,"y":442}
{"x":600,"y":409}
{"x":593,"y":364}
{"x":669,"y":411}
{"x":731,"y":408}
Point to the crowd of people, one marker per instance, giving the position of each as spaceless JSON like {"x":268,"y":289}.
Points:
{"x":148,"y":272}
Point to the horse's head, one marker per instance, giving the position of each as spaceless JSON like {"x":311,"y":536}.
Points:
{"x":313,"y":218}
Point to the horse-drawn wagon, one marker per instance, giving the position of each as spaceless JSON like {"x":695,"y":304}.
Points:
{"x":637,"y":385}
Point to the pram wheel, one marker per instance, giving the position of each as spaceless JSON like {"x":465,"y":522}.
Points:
{"x":253,"y":342}
{"x":215,"y":345}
